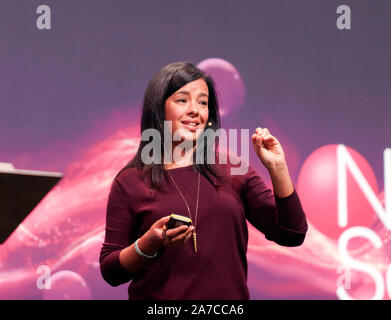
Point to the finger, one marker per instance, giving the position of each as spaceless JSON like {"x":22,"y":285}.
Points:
{"x":162,"y":221}
{"x":172,"y":233}
{"x":180,"y":237}
{"x":184,"y":235}
{"x":166,"y":240}
{"x":265,"y":131}
{"x":187,"y":232}
{"x":188,"y":237}
{"x":258,"y":130}
{"x":269,"y":138}
{"x":258,"y":140}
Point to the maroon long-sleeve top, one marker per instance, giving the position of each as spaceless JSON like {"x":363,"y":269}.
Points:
{"x":219,"y":269}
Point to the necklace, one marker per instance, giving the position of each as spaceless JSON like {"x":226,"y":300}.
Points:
{"x":188,"y":208}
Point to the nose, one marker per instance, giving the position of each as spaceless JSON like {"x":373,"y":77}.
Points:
{"x":192,"y":109}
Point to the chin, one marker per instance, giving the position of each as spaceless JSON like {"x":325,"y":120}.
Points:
{"x":187,"y":135}
{"x":190,"y":137}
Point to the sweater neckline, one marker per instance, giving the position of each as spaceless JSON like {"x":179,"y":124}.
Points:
{"x":179,"y":168}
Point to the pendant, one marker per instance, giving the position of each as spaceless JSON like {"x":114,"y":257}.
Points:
{"x":195,"y":241}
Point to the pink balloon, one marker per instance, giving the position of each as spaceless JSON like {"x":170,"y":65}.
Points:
{"x":381,"y":230}
{"x":377,"y":224}
{"x":67,"y":285}
{"x":362,"y":286}
{"x":317,"y":187}
{"x":229,"y":84}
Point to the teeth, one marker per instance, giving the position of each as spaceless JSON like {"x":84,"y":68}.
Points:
{"x":191,"y":124}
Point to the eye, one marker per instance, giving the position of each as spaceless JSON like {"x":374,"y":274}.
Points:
{"x":181,"y":100}
{"x":204,"y":103}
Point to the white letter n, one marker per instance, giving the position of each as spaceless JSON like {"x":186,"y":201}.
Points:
{"x":344,"y":161}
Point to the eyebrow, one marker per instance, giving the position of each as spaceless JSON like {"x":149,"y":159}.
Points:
{"x":188,"y":93}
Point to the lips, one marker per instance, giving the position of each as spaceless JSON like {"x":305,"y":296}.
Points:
{"x":191,"y":125}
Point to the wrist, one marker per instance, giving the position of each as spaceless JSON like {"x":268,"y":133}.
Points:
{"x":278,"y":169}
{"x":282,"y":183}
{"x":147,"y":245}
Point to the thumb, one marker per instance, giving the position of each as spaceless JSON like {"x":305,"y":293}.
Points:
{"x":162,"y":221}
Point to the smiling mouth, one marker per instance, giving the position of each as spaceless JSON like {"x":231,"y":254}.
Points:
{"x":191,"y":125}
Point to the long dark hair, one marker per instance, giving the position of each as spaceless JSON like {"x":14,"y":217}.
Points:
{"x":168,"y":80}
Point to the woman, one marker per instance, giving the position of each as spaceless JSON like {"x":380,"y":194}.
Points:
{"x":162,"y":263}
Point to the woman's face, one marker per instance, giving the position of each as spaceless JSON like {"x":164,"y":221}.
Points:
{"x":187,"y":109}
